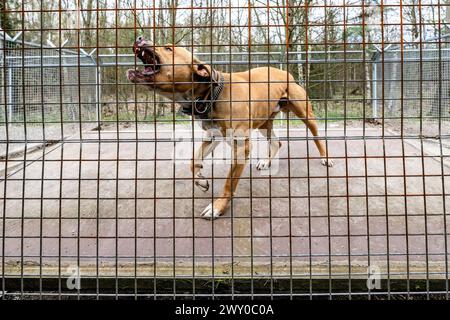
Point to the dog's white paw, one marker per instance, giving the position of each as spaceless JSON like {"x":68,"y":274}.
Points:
{"x":263,"y":165}
{"x":202,"y":184}
{"x":210,"y":212}
{"x":327,"y":162}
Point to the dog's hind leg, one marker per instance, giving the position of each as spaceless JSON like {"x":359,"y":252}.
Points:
{"x":274,"y":145}
{"x":301,"y":107}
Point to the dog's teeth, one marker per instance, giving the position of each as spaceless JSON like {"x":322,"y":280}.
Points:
{"x":143,"y":54}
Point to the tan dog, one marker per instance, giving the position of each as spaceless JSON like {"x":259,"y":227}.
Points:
{"x":248,"y":100}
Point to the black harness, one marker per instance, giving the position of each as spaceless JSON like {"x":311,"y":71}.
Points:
{"x":201,"y":107}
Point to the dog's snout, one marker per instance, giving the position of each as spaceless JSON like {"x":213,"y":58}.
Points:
{"x":140,"y":41}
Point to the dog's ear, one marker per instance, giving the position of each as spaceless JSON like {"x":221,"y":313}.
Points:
{"x":202,"y":70}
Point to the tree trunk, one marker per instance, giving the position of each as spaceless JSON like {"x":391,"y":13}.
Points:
{"x":7,"y":22}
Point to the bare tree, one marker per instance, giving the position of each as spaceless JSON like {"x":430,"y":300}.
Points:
{"x":413,"y":17}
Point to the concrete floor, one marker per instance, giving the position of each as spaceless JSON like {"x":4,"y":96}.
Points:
{"x":109,"y":216}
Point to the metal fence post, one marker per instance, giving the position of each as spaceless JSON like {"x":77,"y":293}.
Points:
{"x":10,"y":91}
{"x":374,"y":85}
{"x":98,"y":114}
{"x":99,"y":92}
{"x":374,"y":91}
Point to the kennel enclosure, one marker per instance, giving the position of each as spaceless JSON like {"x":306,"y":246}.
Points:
{"x":93,"y":179}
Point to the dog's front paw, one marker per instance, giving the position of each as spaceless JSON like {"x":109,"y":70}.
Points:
{"x":202,"y":184}
{"x":211,"y":212}
{"x":263,"y":165}
{"x":327,"y":162}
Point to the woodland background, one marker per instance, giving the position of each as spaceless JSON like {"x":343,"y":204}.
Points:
{"x":241,"y":26}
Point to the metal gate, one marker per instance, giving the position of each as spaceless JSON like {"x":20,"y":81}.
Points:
{"x":97,"y":195}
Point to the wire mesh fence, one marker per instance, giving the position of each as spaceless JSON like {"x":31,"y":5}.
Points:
{"x":45,"y":87}
{"x":101,"y":194}
{"x":414,"y":83}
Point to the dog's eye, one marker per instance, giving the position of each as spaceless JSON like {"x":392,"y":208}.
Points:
{"x":168,"y":48}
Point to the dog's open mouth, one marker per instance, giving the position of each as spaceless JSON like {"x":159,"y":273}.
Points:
{"x":150,"y":60}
